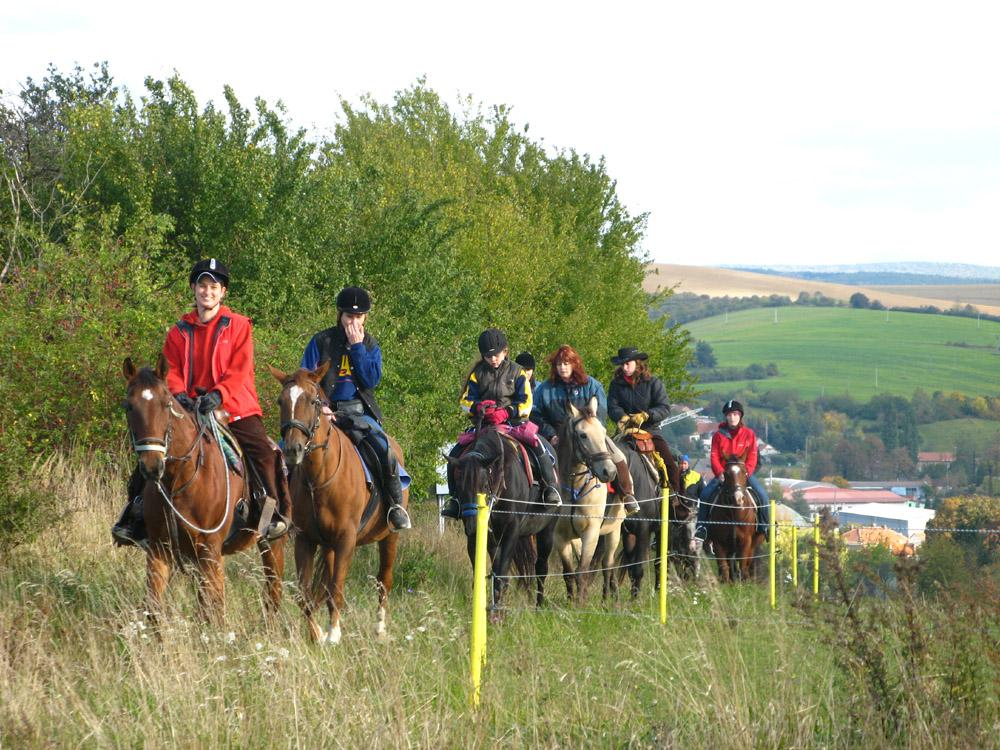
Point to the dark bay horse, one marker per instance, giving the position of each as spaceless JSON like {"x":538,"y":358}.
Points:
{"x":641,"y":532}
{"x":732,"y":523}
{"x":331,"y":510}
{"x":493,"y":467}
{"x":189,"y":497}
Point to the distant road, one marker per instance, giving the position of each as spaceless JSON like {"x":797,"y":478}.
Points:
{"x":719,"y":282}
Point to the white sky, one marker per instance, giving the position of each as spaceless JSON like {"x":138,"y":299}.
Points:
{"x":752,"y":133}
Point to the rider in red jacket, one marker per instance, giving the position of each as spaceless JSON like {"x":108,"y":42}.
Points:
{"x":732,"y":439}
{"x":210,"y":353}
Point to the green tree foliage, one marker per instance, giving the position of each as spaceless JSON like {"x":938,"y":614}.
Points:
{"x":703,"y":355}
{"x":455,"y":220}
{"x":973,"y":522}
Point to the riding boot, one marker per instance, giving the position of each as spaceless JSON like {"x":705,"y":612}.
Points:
{"x":396,"y":517}
{"x":550,"y":487}
{"x":623,"y":486}
{"x":452,"y":508}
{"x":764,"y":519}
{"x":130,"y":529}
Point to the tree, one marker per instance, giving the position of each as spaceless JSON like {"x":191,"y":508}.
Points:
{"x":859,"y":301}
{"x":704,"y":356}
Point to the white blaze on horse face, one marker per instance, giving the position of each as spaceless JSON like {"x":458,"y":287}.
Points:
{"x":147,"y":395}
{"x":293,"y":396}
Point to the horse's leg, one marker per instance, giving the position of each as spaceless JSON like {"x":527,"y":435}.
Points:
{"x":158,"y":572}
{"x":722,"y":558}
{"x":543,"y":540}
{"x":305,"y":561}
{"x":340,"y":556}
{"x":386,"y":560}
{"x":629,"y":543}
{"x":273,"y":559}
{"x":588,"y":544}
{"x":639,"y":560}
{"x":211,"y":582}
{"x":610,"y":582}
{"x":565,"y":547}
{"x":501,"y":566}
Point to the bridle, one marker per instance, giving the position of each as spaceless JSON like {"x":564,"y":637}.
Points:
{"x":152,"y":444}
{"x":308,"y":430}
{"x":580,"y":452}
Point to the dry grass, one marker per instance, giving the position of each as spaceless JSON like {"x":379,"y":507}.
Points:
{"x":719,"y":282}
{"x":79,"y":666}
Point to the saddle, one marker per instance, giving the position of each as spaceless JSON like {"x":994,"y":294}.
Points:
{"x":642,"y":441}
{"x":527,"y":460}
{"x":357,"y":431}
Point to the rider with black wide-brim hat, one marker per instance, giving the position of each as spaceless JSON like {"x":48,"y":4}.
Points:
{"x":350,"y":382}
{"x":637,"y":399}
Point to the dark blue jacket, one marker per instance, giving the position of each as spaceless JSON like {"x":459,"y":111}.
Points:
{"x":549,"y":408}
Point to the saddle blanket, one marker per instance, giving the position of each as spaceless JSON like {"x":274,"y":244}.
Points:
{"x":404,"y":477}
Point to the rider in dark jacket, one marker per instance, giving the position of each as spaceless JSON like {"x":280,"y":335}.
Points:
{"x":637,"y":399}
{"x":349,"y":385}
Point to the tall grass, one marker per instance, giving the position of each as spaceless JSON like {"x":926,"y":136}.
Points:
{"x":79,"y":666}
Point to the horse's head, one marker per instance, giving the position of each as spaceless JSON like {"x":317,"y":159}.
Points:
{"x":735,"y":480}
{"x":478,"y":469}
{"x":589,"y":439}
{"x":149,"y":411}
{"x":301,"y":408}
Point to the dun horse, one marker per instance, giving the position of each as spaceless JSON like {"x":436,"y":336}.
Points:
{"x":732,"y":523}
{"x":493,"y":467}
{"x":331,"y":509}
{"x":585,"y":467}
{"x":189,"y":497}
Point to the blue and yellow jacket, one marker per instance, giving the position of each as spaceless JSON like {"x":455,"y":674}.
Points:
{"x":506,"y":385}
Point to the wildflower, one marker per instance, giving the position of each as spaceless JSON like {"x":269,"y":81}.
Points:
{"x":230,"y":637}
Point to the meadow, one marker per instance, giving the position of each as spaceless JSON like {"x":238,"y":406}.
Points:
{"x":948,"y":433}
{"x":79,"y":666}
{"x":859,"y":352}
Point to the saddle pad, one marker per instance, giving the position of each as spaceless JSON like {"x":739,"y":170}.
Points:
{"x":404,"y":477}
{"x":525,"y":459}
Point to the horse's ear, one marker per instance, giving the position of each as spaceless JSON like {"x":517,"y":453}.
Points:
{"x":745,"y":454}
{"x":277,"y":374}
{"x":319,"y":372}
{"x":128,"y":369}
{"x":593,"y":405}
{"x":162,"y":367}
{"x":571,"y":408}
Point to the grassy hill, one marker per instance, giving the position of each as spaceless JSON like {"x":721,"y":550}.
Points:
{"x":945,"y":435}
{"x":718,"y":282}
{"x":843,"y":350}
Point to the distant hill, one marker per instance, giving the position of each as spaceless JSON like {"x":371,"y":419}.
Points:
{"x":942,"y":273}
{"x":719,"y":282}
{"x":875,"y":278}
{"x":837,"y":350}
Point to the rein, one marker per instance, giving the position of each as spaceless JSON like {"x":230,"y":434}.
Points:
{"x":308,"y":431}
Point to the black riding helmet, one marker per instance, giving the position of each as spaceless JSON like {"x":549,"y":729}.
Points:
{"x":492,"y":341}
{"x":211,"y":267}
{"x":733,"y":405}
{"x":354,"y":299}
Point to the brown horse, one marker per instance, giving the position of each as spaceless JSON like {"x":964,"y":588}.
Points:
{"x":331,"y":509}
{"x":189,"y":497}
{"x":732,"y":522}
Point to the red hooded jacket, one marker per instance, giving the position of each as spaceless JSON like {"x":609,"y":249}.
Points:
{"x":725,"y":444}
{"x":231,"y":366}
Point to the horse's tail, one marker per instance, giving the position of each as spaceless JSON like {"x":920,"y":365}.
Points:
{"x":524,"y":557}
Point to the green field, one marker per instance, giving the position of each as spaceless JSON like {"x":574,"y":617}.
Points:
{"x":860,"y":352}
{"x":945,"y":435}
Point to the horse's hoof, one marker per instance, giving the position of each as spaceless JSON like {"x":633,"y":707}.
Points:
{"x":332,"y":636}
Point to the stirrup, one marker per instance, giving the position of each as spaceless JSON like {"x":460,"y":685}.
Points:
{"x":398,"y":519}
{"x":122,"y":537}
{"x":275,"y":530}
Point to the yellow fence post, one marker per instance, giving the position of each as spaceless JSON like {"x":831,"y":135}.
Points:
{"x":664,"y":541}
{"x":478,"y":657}
{"x":795,"y":555}
{"x":816,"y":556}
{"x":771,"y":533}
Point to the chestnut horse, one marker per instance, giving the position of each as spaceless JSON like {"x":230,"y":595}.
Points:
{"x":330,"y":503}
{"x":189,"y":497}
{"x":732,"y":522}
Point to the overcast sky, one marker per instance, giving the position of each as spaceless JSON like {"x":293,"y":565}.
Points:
{"x":750,"y":132}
